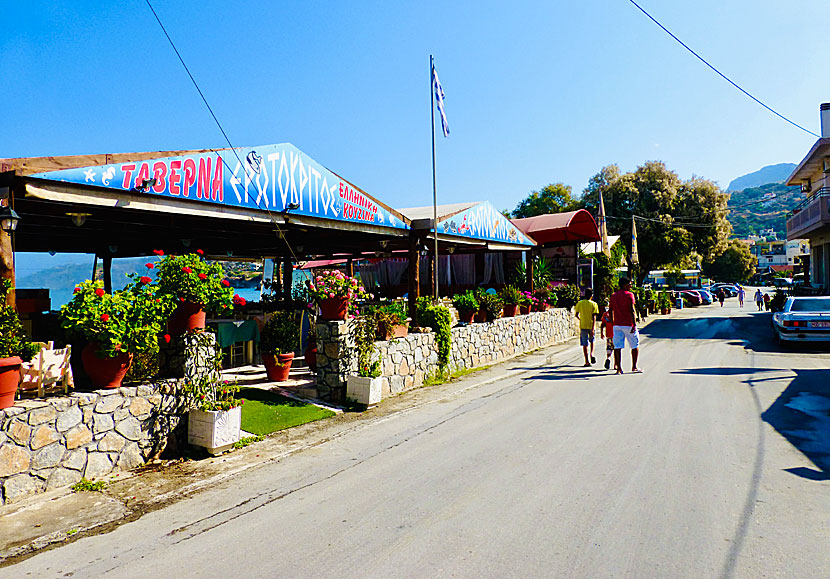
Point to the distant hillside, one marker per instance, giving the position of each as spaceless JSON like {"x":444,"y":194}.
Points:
{"x":769,"y":174}
{"x":749,"y":213}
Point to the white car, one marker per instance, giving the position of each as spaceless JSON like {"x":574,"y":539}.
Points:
{"x":803,"y":319}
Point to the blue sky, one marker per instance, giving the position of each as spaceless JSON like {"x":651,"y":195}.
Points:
{"x":537,"y":92}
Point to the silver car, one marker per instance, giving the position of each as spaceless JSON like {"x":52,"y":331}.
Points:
{"x":803,"y":319}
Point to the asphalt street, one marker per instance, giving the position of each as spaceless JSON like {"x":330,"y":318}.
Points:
{"x":713,"y":463}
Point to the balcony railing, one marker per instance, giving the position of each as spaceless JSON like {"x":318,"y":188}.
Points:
{"x":810,"y":213}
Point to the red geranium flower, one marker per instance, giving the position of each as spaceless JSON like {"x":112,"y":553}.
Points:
{"x":187,"y":270}
{"x":239,"y":300}
{"x":158,"y":252}
{"x":149,"y":265}
{"x":200,"y":252}
{"x":77,"y":289}
{"x":167,"y":338}
{"x":99,"y":292}
{"x":226,"y":283}
{"x":105,"y":317}
{"x":144,"y":279}
{"x":203,"y":276}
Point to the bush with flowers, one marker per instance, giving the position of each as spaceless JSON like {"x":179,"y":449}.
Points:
{"x":13,"y":341}
{"x":127,"y":321}
{"x":207,"y":393}
{"x":526,"y":298}
{"x":189,"y":278}
{"x":332,"y":284}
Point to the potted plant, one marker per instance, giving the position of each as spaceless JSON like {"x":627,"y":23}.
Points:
{"x":467,"y":306}
{"x":310,"y":353}
{"x":491,"y":306}
{"x":392,"y":321}
{"x":115,"y":326}
{"x":14,"y":348}
{"x":196,"y":286}
{"x":333,"y":290}
{"x":278,"y":339}
{"x":525,"y":302}
{"x":664,"y":302}
{"x":511,"y":296}
{"x":365,"y":387}
{"x":566,"y":295}
{"x":215,"y":417}
{"x":541,"y":299}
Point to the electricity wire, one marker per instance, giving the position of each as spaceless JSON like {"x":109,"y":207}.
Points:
{"x":280,"y":233}
{"x":719,"y":73}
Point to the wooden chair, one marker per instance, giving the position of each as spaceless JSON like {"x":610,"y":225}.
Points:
{"x":49,"y":371}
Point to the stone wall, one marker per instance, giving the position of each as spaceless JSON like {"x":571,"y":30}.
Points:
{"x":50,"y":443}
{"x":406,"y":362}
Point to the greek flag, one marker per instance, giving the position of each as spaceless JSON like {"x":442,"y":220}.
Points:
{"x":439,"y":99}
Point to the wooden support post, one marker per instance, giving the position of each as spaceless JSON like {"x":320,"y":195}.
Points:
{"x":287,"y":279}
{"x":529,"y":270}
{"x":350,"y":267}
{"x":414,"y":276}
{"x":7,"y":265}
{"x":94,"y":267}
{"x":431,"y":278}
{"x":108,"y":274}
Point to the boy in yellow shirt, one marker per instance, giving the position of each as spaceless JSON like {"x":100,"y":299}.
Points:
{"x":587,"y":311}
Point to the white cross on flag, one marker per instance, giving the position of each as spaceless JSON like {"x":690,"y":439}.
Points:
{"x":439,"y":100}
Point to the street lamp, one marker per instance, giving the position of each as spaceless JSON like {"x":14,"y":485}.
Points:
{"x":8,"y":219}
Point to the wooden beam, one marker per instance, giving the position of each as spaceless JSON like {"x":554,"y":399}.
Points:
{"x":288,"y":277}
{"x":529,"y":270}
{"x":107,"y":273}
{"x":7,"y":265}
{"x":414,"y":289}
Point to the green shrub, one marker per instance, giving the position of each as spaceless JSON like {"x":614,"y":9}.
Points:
{"x":438,"y":318}
{"x":511,"y":295}
{"x":466,"y":302}
{"x":566,"y":295}
{"x":491,"y":304}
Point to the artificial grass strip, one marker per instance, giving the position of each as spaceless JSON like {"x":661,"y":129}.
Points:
{"x":265,"y":412}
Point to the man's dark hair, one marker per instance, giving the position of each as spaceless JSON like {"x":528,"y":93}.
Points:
{"x":624,"y":281}
{"x":588,"y":293}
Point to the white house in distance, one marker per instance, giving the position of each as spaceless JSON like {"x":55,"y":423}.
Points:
{"x":810,"y":219}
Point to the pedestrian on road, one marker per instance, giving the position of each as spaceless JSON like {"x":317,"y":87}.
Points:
{"x":606,"y":330}
{"x":766,"y":301}
{"x":741,"y":295}
{"x":759,"y":299}
{"x":587,"y":311}
{"x":721,"y":296}
{"x":625,"y":327}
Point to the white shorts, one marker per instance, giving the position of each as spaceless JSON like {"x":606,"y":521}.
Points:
{"x":623,"y":334}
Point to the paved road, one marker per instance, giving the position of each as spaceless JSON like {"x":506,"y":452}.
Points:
{"x":711,"y":464}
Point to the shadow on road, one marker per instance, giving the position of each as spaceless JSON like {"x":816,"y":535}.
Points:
{"x":801,"y":414}
{"x":571,"y":373}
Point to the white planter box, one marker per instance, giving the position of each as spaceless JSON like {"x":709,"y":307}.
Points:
{"x":363,"y":390}
{"x":214,"y":430}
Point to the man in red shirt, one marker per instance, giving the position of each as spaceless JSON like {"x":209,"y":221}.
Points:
{"x":625,"y":326}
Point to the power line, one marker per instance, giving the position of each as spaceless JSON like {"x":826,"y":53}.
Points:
{"x":281,"y":235}
{"x":723,"y":76}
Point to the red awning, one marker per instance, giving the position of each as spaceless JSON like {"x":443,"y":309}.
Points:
{"x":571,"y":227}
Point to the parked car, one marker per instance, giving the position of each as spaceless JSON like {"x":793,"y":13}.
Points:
{"x":728,"y":288}
{"x":706,"y":296}
{"x":782,"y":282}
{"x":692,"y":297}
{"x":803,"y":319}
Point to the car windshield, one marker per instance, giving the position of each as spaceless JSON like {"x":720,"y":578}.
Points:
{"x":810,"y":305}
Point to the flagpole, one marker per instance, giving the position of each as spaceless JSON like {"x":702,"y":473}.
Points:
{"x":434,"y":187}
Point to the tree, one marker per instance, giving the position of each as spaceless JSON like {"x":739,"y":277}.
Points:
{"x":735,"y":264}
{"x":553,"y":198}
{"x":674,"y":217}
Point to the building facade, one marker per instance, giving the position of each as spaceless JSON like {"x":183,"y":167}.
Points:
{"x":810,"y":219}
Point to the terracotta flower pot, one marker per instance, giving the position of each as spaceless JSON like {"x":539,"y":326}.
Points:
{"x":9,"y":379}
{"x":480,"y":317}
{"x":540,"y":308}
{"x":277,"y":367}
{"x":466,"y":316}
{"x":334,"y":308}
{"x":311,"y":358}
{"x":399,"y":331}
{"x":524,"y":310}
{"x":187,"y":316}
{"x":509,"y":310}
{"x":105,"y":372}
